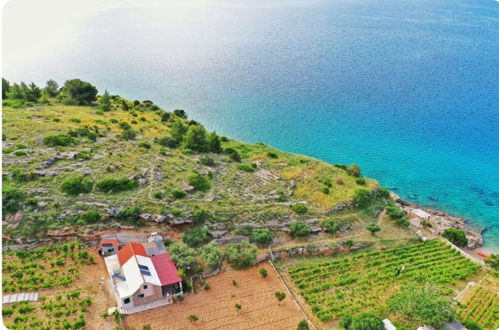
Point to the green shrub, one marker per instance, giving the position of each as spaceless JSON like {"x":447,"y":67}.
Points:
{"x":373,"y":228}
{"x":299,"y":229}
{"x":281,"y":196}
{"x":183,"y":256}
{"x":128,"y":134}
{"x":456,"y":236}
{"x":211,"y":255}
{"x":233,"y":154}
{"x":116,"y":185}
{"x":362,"y":197}
{"x":263,"y":272}
{"x":199,"y":182}
{"x":196,"y":237}
{"x":360,"y":181}
{"x":207,"y":161}
{"x":331,"y":226}
{"x":7,"y":150}
{"x":354,"y":170}
{"x":395,"y":212}
{"x":178,"y":194}
{"x":78,"y":92}
{"x":362,"y":321}
{"x":303,"y":325}
{"x":262,"y":237}
{"x":200,"y":215}
{"x":20,"y":153}
{"x":60,"y":140}
{"x":12,"y":199}
{"x":75,"y":120}
{"x":214,"y":143}
{"x":21,"y":146}
{"x":280,"y":295}
{"x":83,"y":132}
{"x":130,"y":214}
{"x":299,"y":208}
{"x":166,"y":142}
{"x":193,"y":317}
{"x":245,"y":168}
{"x":158,"y":194}
{"x":91,"y":216}
{"x":241,"y":255}
{"x":271,"y":154}
{"x":325,"y":190}
{"x":195,"y":138}
{"x":77,"y":185}
{"x":144,"y":145}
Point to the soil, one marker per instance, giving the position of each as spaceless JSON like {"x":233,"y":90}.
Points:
{"x":215,"y":307}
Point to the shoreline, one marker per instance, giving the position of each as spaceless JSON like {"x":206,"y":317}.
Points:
{"x":441,"y":220}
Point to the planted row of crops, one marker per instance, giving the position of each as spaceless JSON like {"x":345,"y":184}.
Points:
{"x":43,"y":268}
{"x":363,"y":281}
{"x":482,"y":307}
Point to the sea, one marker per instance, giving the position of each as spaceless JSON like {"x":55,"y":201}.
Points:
{"x":409,"y":90}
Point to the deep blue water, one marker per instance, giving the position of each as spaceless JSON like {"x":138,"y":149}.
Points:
{"x":409,"y":90}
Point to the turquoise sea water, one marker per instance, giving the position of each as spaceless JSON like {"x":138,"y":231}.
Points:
{"x":409,"y":90}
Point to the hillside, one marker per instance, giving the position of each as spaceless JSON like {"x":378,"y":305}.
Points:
{"x":259,"y":189}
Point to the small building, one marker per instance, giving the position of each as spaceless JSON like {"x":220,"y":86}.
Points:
{"x":109,"y":246}
{"x":141,"y":281}
{"x":418,"y":213}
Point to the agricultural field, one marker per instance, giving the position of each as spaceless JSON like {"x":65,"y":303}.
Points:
{"x":72,"y":284}
{"x":480,"y":304}
{"x":333,"y":287}
{"x":215,"y":307}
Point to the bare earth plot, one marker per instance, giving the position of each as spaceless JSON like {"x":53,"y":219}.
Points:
{"x":216,"y":307}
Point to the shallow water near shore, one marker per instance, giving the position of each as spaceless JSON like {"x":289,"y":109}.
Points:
{"x":408,"y":90}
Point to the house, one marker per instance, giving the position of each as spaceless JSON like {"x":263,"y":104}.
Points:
{"x":142,"y":281}
{"x":109,"y":246}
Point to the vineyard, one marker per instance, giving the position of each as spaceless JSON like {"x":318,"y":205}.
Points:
{"x":336,"y":286}
{"x":481,"y":304}
{"x":43,"y":268}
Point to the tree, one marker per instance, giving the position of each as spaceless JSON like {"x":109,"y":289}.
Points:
{"x":262,"y":237}
{"x":354,"y":170}
{"x":5,"y":88}
{"x":178,"y":131}
{"x":493,"y":261}
{"x":331,"y":226}
{"x":91,"y":216}
{"x":180,"y":113}
{"x":183,"y":256}
{"x":211,"y":255}
{"x":196,"y":237}
{"x":77,"y":185}
{"x":199,"y":182}
{"x":108,"y":185}
{"x":361,"y":197}
{"x":124,"y":105}
{"x":60,"y":140}
{"x":373,"y":228}
{"x":363,"y":321}
{"x":456,"y":236}
{"x":105,"y":102}
{"x":130,"y":214}
{"x":299,"y":229}
{"x":394,"y":212}
{"x":241,"y":255}
{"x":303,"y":325}
{"x":12,"y":199}
{"x":214,"y":143}
{"x":79,"y":92}
{"x":51,"y":88}
{"x":422,"y":305}
{"x":195,"y":138}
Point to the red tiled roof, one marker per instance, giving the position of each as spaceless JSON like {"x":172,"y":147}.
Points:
{"x":114,"y":242}
{"x":129,"y":251}
{"x":165,"y":268}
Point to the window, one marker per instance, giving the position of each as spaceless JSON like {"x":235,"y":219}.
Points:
{"x":141,"y":295}
{"x":126,"y":301}
{"x":110,"y":250}
{"x":145,"y":286}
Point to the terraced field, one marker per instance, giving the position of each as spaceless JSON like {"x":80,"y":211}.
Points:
{"x":481,"y":304}
{"x":361,"y":282}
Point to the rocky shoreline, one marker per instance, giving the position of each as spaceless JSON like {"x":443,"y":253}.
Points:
{"x":441,"y":221}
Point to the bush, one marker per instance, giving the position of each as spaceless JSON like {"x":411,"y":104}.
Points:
{"x":116,"y":185}
{"x":130,"y":214}
{"x":245,"y":168}
{"x":211,"y":255}
{"x":299,"y":229}
{"x":158,"y":194}
{"x":299,"y":208}
{"x":281,"y":196}
{"x":193,"y":317}
{"x":262,"y":237}
{"x":60,"y":140}
{"x":233,"y":154}
{"x":303,"y":325}
{"x":280,"y":295}
{"x":20,"y":153}
{"x":360,"y":181}
{"x":79,"y":92}
{"x":195,"y":138}
{"x":200,"y":215}
{"x":363,"y":321}
{"x":349,"y":243}
{"x":362,"y":197}
{"x":177,"y":193}
{"x":166,"y":141}
{"x":128,"y":134}
{"x":144,"y":145}
{"x":456,"y":236}
{"x":83,"y":132}
{"x":331,"y":226}
{"x":183,"y":256}
{"x":354,"y":170}
{"x":207,"y":161}
{"x":271,"y":154}
{"x":263,"y":272}
{"x":214,"y":143}
{"x":373,"y":228}
{"x":105,"y":102}
{"x":12,"y":199}
{"x":178,"y":131}
{"x":76,"y":186}
{"x":471,"y":325}
{"x":196,"y":237}
{"x":180,"y":113}
{"x":241,"y":255}
{"x":325,"y":190}
{"x":91,"y":216}
{"x":199,"y":182}
{"x":395,"y":212}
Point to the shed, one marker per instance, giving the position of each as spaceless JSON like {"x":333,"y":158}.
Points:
{"x":109,"y":246}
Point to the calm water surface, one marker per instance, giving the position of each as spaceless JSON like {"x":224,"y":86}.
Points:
{"x":409,"y":90}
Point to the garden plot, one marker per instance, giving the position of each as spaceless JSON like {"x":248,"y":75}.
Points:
{"x":334,"y":287}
